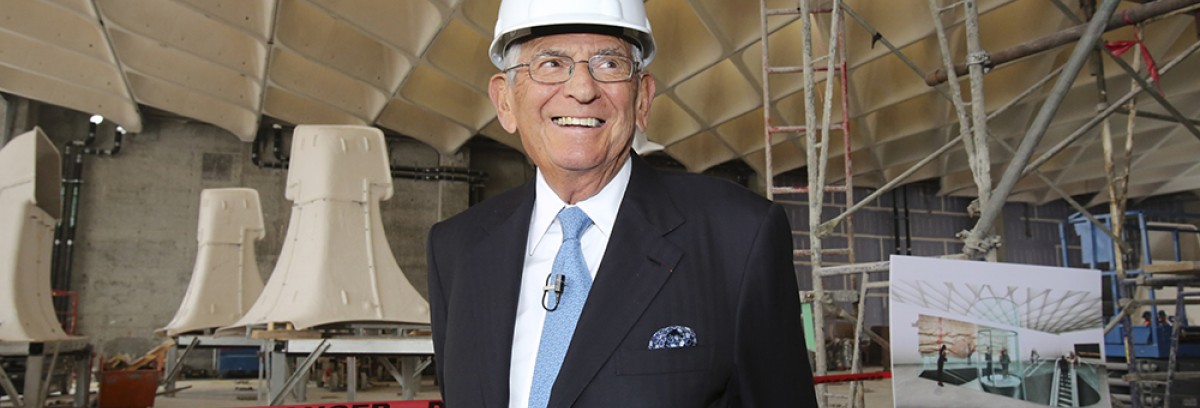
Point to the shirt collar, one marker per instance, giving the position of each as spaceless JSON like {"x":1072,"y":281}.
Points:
{"x":601,"y":208}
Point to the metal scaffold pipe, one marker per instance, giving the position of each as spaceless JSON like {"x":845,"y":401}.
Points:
{"x":1132,"y":16}
{"x":974,"y":242}
{"x":950,"y":144}
{"x":1060,"y":146}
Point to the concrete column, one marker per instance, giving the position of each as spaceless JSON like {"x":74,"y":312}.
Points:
{"x":453,"y":196}
{"x":19,"y":116}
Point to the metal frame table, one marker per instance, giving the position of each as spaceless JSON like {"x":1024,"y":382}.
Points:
{"x":36,"y":386}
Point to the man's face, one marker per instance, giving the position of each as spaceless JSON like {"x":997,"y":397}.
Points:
{"x":579,"y":126}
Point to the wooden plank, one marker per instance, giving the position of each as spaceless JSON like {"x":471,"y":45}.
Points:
{"x":1183,"y":267}
{"x":285,"y":334}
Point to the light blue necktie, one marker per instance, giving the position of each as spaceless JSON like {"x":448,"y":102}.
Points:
{"x":560,"y":323}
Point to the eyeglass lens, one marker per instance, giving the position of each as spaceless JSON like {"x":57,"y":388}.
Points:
{"x":604,"y":68}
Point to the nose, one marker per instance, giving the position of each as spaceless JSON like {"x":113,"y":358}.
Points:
{"x":581,"y":86}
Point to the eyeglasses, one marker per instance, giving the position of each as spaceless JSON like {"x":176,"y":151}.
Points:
{"x":556,"y":70}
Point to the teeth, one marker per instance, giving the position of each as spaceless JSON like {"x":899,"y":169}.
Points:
{"x":570,"y":121}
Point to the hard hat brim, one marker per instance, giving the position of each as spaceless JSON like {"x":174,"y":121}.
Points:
{"x":635,"y":35}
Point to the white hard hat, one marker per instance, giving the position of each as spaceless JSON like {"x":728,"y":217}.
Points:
{"x":523,"y":18}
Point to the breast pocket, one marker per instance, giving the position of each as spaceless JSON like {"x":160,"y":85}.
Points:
{"x":663,"y":361}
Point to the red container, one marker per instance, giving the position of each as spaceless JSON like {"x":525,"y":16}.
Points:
{"x":128,"y":389}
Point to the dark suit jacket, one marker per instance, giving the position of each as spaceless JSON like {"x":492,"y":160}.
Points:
{"x":685,"y":250}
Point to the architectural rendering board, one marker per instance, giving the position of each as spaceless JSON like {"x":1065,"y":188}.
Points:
{"x":995,"y":334}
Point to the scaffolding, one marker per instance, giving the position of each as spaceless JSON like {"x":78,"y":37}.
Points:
{"x":979,"y":242}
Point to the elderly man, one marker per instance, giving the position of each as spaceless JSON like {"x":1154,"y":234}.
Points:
{"x":602,"y":282}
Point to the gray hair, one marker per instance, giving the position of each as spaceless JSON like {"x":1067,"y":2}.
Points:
{"x":513,"y":54}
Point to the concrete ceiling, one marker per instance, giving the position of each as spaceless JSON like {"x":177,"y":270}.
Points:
{"x":419,"y":68}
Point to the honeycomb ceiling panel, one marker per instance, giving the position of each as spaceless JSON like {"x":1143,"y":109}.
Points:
{"x":81,"y":7}
{"x":908,"y":118}
{"x":905,"y":150}
{"x":240,"y":121}
{"x":718,"y":94}
{"x":461,"y":51}
{"x":781,"y":84}
{"x":791,"y":108}
{"x":27,"y":54}
{"x":701,"y":151}
{"x":745,"y":133}
{"x":302,"y":110}
{"x":420,"y":67}
{"x":1160,"y":171}
{"x":785,"y":156}
{"x":860,"y":161}
{"x":336,"y":43}
{"x":428,"y":87}
{"x":408,"y":25}
{"x":1186,"y":182}
{"x":252,"y":16}
{"x":431,"y":128}
{"x":219,"y":83}
{"x":57,"y":26}
{"x":326,"y":85}
{"x":482,"y":14}
{"x":669,"y":122}
{"x":58,"y":53}
{"x":176,"y":25}
{"x":71,"y":95}
{"x":740,"y":25}
{"x":897,"y":82}
{"x":901,"y":24}
{"x":892,"y":170}
{"x":683,"y":41}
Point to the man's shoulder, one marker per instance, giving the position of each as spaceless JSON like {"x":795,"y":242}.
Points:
{"x":690,"y":189}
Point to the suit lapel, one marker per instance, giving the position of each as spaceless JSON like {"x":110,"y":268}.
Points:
{"x":636,"y":264}
{"x":500,"y":254}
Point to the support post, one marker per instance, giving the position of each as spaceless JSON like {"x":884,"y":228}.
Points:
{"x":351,"y":378}
{"x":408,"y":365}
{"x":34,"y":366}
{"x":83,"y":377}
{"x":974,"y":244}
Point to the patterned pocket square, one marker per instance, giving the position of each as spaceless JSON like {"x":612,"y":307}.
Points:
{"x":672,"y":337}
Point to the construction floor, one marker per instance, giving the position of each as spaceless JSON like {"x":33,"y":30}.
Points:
{"x":243,"y":393}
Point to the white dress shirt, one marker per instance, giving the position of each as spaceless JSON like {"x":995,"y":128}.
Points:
{"x":545,"y":237}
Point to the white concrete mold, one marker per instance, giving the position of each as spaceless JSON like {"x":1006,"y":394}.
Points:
{"x":30,"y":172}
{"x":225,"y":281}
{"x":336,"y":265}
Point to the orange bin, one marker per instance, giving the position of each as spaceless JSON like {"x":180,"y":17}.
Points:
{"x":128,"y":389}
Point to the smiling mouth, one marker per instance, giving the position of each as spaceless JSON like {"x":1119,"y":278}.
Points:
{"x":577,"y":122}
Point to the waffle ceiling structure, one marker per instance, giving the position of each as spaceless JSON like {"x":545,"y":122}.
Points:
{"x":1042,"y":309}
{"x":419,"y":68}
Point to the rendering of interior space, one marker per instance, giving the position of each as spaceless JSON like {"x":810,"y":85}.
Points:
{"x":1013,"y":331}
{"x":599,"y":203}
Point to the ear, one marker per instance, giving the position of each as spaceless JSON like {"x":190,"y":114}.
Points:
{"x":645,"y":95}
{"x":501,"y":96}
